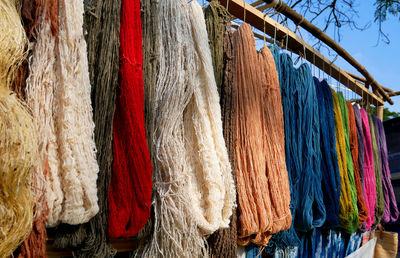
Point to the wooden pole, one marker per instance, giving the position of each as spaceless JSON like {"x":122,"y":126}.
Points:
{"x":379,"y":112}
{"x":285,"y":37}
{"x":361,"y":79}
{"x":319,"y":34}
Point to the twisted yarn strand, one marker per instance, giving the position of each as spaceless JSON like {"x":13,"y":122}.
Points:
{"x":380,"y":202}
{"x":391,"y":212}
{"x":347,"y":214}
{"x":210,"y":186}
{"x":175,"y":228}
{"x":370,"y":180}
{"x":74,"y":119}
{"x":18,"y":144}
{"x":354,"y":222}
{"x":362,"y":208}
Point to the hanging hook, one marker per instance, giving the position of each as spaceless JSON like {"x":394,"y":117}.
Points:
{"x":275,"y":35}
{"x":227,"y":5}
{"x":264,"y":30}
{"x":244,"y":11}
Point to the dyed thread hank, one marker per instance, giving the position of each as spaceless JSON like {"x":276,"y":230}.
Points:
{"x":131,"y":182}
{"x":74,"y":119}
{"x":362,"y":208}
{"x":175,"y":229}
{"x":360,"y":142}
{"x":370,"y":180}
{"x":222,"y":243}
{"x":391,"y":213}
{"x":348,"y":215}
{"x":18,"y":148}
{"x":329,"y":163}
{"x":254,"y":205}
{"x":91,"y":239}
{"x":354,"y":223}
{"x":40,"y":86}
{"x":380,"y":202}
{"x":210,"y":186}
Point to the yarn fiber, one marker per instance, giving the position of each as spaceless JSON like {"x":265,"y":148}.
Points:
{"x":348,"y":215}
{"x":370,"y":180}
{"x":362,"y":208}
{"x":391,"y":212}
{"x":74,"y":119}
{"x":223,"y":243}
{"x":175,"y":228}
{"x":210,"y":185}
{"x":380,"y":202}
{"x":354,"y":223}
{"x":18,"y":148}
{"x":329,"y":162}
{"x":131,"y":182}
{"x":263,"y":201}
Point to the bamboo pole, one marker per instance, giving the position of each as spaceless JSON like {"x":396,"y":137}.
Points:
{"x":247,"y":13}
{"x":319,"y":34}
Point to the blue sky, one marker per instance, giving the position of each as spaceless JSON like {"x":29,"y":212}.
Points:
{"x":382,"y":60}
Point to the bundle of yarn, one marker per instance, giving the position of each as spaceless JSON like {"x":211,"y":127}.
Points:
{"x":362,"y":208}
{"x":131,"y":182}
{"x":262,"y":180}
{"x":223,"y":243}
{"x":18,"y":148}
{"x":39,"y":93}
{"x":354,"y":222}
{"x":380,"y":202}
{"x":91,"y":239}
{"x":391,"y":212}
{"x":348,"y":215}
{"x":74,"y":120}
{"x":370,"y":180}
{"x":329,"y":162}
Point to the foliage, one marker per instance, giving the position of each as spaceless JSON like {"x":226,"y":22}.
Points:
{"x":387,"y":114}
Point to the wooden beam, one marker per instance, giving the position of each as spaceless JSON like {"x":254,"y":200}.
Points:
{"x":257,"y":3}
{"x":393,"y":94}
{"x":298,"y":46}
{"x":298,"y":19}
{"x":361,"y":79}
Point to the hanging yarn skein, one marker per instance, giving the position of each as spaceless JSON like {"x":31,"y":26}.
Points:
{"x":391,"y":212}
{"x":361,"y":147}
{"x":73,"y":119}
{"x":380,"y":202}
{"x":370,"y":180}
{"x":217,"y":17}
{"x":348,"y":215}
{"x":223,"y":242}
{"x":175,"y":228}
{"x":287,"y":240}
{"x":18,"y":148}
{"x":362,"y":208}
{"x":354,"y":222}
{"x":40,"y":86}
{"x":262,"y":178}
{"x":329,"y":162}
{"x":91,"y":239}
{"x":131,"y":182}
{"x":254,"y":204}
{"x":277,"y":175}
{"x":210,"y":183}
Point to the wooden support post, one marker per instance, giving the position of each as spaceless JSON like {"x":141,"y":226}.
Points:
{"x":379,"y":112}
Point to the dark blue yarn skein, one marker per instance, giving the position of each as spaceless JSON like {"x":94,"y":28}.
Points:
{"x":329,"y":162}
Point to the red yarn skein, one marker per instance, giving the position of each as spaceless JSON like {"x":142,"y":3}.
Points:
{"x":131,"y":182}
